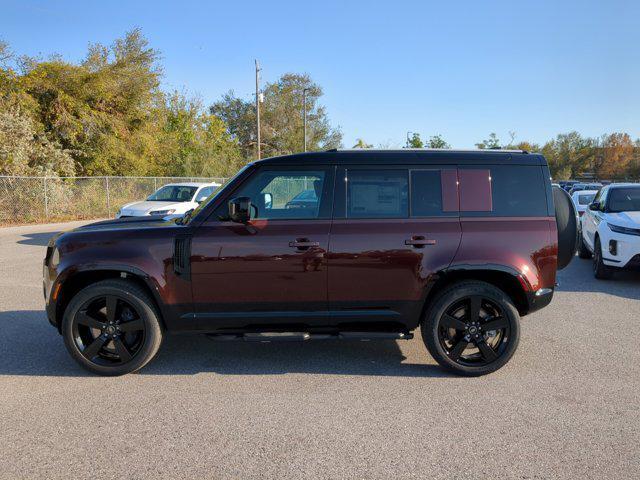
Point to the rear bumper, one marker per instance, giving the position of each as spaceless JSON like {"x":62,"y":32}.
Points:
{"x":539,"y":299}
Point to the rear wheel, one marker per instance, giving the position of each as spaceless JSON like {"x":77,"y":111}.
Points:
{"x":112,"y":328}
{"x":600,"y":270}
{"x":472,"y":328}
{"x":583,"y":251}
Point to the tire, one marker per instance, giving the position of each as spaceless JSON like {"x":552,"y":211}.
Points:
{"x":440,"y":325}
{"x":115,"y":343}
{"x":567,"y":225}
{"x":583,"y":251}
{"x":600,"y":270}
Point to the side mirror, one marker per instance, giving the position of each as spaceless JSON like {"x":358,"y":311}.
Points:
{"x":240,"y":209}
{"x":595,"y":206}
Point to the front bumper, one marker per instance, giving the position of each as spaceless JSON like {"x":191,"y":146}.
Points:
{"x":626,"y":251}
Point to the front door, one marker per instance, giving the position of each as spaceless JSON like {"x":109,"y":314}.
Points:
{"x":271,"y":271}
{"x":592,"y":218}
{"x":394,"y":228}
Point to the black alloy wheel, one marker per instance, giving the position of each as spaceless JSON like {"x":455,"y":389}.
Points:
{"x":474,"y":331}
{"x":471,"y":327}
{"x":112,"y":327}
{"x":108,"y":330}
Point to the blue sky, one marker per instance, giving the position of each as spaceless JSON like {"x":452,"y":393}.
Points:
{"x":461,"y":69}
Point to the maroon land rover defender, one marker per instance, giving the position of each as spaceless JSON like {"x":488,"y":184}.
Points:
{"x":358,"y":244}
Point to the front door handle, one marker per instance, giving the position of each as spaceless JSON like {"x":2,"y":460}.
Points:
{"x":303,"y":244}
{"x":418,"y":241}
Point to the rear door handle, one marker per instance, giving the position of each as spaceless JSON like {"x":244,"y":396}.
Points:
{"x":418,"y":241}
{"x":303,"y":244}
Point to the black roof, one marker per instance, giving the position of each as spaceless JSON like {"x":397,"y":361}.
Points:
{"x":410,"y":157}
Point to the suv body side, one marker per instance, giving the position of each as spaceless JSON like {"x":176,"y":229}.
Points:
{"x":334,"y":270}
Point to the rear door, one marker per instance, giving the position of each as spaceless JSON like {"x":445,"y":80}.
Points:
{"x":393,"y":228}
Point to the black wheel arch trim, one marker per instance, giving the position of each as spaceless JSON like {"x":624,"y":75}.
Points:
{"x":74,"y":270}
{"x":527,"y":302}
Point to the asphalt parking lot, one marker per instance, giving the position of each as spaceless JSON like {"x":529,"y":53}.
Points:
{"x":566,"y":406}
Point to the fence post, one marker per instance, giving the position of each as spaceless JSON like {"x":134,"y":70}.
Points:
{"x":46,"y":198}
{"x":106,"y":179}
{"x":155,"y":183}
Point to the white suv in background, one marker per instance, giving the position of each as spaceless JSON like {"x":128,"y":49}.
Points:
{"x":611,"y":229}
{"x":582,"y":199}
{"x":174,"y":199}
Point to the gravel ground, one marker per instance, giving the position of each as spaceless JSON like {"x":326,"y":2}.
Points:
{"x":566,"y":406}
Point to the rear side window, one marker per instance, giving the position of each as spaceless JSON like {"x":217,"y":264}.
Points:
{"x":586,"y":199}
{"x":434,"y":193}
{"x":377,"y":194}
{"x":503,"y":191}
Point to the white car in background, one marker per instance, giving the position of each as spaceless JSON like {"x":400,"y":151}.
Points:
{"x":174,"y":199}
{"x":582,"y":199}
{"x":611,"y":229}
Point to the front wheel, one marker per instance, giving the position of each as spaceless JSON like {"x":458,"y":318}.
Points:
{"x":600,"y":270}
{"x":472,"y":328}
{"x":112,"y":328}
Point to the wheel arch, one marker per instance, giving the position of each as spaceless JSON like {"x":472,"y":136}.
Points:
{"x":506,"y":279}
{"x":74,"y":281}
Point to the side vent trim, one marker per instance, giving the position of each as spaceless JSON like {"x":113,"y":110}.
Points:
{"x":182,"y":256}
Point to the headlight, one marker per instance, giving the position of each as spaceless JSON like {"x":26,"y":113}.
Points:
{"x":162,"y":212}
{"x":625,"y":230}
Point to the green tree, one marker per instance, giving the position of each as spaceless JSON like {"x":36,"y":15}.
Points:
{"x":436,"y":141}
{"x":281,"y":118}
{"x":570,"y":155}
{"x":490,"y":143}
{"x":415,"y":141}
{"x":360,"y":143}
{"x":194,"y":143}
{"x":107,"y":115}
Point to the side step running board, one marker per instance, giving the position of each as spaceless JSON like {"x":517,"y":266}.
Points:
{"x":304,"y":336}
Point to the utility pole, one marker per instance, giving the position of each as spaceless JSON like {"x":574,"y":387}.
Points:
{"x":258,"y":106}
{"x":304,"y":115}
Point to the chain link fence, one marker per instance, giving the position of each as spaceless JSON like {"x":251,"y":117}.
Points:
{"x":56,"y":199}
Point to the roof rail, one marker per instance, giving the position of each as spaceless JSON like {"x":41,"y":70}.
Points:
{"x":491,"y":150}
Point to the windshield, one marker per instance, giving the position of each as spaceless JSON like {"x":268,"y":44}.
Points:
{"x":624,"y":200}
{"x":586,"y":198}
{"x":191,"y":214}
{"x":173,"y":193}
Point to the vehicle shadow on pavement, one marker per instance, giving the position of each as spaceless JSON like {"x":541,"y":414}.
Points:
{"x":30,"y":346}
{"x":38,"y":239}
{"x":197,"y":354}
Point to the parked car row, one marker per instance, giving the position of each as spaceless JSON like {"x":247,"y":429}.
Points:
{"x":572,"y":186}
{"x":610,"y":227}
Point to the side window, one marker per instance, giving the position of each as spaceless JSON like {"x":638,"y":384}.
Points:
{"x":377,"y":194}
{"x":504,"y":191}
{"x":290,"y":194}
{"x":204,"y":193}
{"x":426,"y":193}
{"x":434,"y":193}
